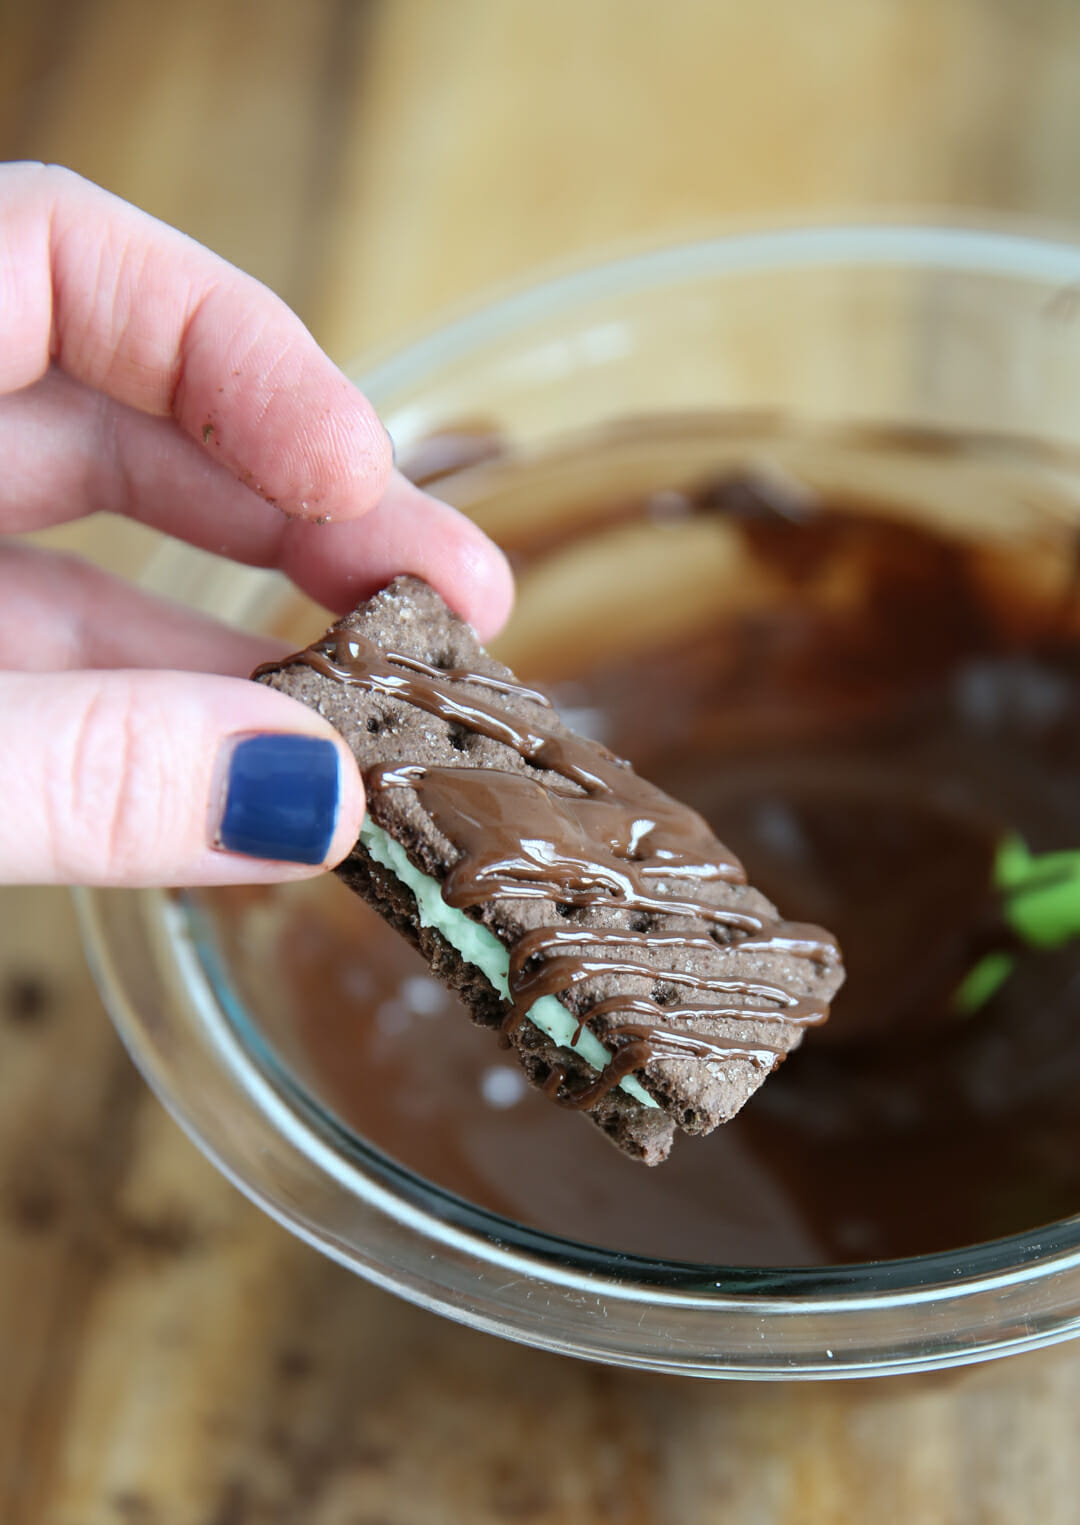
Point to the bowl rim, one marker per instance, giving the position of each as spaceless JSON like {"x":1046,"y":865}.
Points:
{"x":963,"y":1304}
{"x":958,"y":246}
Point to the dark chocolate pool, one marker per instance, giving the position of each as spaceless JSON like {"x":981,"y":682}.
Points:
{"x":865,"y":708}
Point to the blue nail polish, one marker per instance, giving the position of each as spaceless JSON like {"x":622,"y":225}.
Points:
{"x":281,"y":798}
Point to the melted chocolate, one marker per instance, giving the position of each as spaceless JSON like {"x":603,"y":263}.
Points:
{"x":863,"y":758}
{"x":596,"y":834}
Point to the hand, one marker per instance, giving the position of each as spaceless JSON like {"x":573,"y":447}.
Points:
{"x":142,"y":375}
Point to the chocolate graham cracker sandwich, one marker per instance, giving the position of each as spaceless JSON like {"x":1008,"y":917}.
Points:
{"x":592,"y":922}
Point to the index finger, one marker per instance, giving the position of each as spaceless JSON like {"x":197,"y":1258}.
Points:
{"x":139,"y":311}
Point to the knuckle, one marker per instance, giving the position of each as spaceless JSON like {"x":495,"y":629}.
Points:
{"x":105,"y":789}
{"x":59,"y":179}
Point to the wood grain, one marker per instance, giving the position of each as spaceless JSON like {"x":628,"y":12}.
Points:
{"x":494,"y":140}
{"x":169,"y":1356}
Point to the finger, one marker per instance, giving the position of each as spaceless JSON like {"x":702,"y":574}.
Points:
{"x":340,"y":564}
{"x":138,"y":311}
{"x":139,"y":778}
{"x":67,"y":451}
{"x":61,"y":613}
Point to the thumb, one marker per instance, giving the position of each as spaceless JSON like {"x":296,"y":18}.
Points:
{"x":167,"y":778}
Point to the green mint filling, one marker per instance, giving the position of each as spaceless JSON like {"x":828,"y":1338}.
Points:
{"x":480,"y":947}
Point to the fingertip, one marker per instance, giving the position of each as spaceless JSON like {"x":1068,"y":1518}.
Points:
{"x":409,"y":531}
{"x":484,"y":586}
{"x":255,"y":390}
{"x":450,"y":551}
{"x":377,"y":459}
{"x":349,"y":461}
{"x":462,"y":563}
{"x":351,"y":807}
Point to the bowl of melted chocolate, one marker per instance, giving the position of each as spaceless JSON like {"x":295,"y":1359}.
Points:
{"x":796,"y":524}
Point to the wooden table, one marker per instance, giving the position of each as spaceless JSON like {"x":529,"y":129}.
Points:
{"x":168,"y":1356}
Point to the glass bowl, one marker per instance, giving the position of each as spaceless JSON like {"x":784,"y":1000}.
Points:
{"x":854,"y":359}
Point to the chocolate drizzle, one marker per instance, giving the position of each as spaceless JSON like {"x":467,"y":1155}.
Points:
{"x":585,"y":832}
